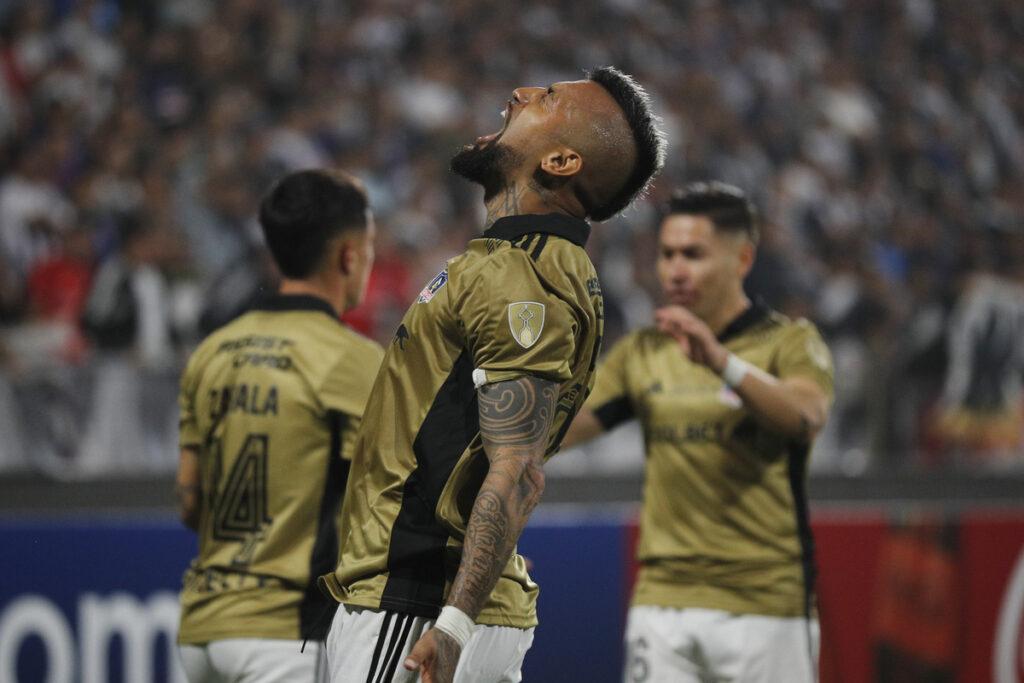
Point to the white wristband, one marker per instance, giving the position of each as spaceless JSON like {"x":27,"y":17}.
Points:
{"x":455,"y":623}
{"x":735,"y":370}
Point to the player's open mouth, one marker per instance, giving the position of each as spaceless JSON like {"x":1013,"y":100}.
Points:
{"x":484,"y":140}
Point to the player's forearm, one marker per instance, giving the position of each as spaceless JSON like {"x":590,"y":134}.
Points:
{"x":189,"y":498}
{"x":585,"y":426}
{"x":515,"y":424}
{"x":796,"y":412}
{"x":188,"y":488}
{"x":508,"y":495}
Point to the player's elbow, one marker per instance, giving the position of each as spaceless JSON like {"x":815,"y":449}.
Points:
{"x":811,"y":422}
{"x":531,"y":485}
{"x":189,"y":516}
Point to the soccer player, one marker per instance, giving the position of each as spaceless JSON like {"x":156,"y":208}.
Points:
{"x":483,"y":376}
{"x":269,"y":408}
{"x":730,"y":395}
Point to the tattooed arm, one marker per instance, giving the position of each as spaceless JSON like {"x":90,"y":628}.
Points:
{"x":515,"y":421}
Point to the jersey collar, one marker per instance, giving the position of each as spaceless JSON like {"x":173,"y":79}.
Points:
{"x":573,"y":229}
{"x":755,"y":313}
{"x":294,"y":302}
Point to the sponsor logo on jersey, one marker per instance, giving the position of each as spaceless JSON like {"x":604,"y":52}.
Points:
{"x":526,"y":321}
{"x":439,"y":281}
{"x":401,"y":336}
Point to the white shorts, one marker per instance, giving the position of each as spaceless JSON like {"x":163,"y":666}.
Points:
{"x":254,"y":660}
{"x":368,"y":646}
{"x":693,"y":645}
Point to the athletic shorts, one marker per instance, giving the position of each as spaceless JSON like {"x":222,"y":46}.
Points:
{"x":693,"y":645}
{"x":368,"y":646}
{"x":254,"y":660}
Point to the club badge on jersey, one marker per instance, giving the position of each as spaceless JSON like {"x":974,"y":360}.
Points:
{"x":526,"y":321}
{"x":439,"y":281}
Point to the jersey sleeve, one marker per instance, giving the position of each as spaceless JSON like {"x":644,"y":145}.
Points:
{"x":609,"y":399}
{"x":514,"y":324}
{"x":346,"y":386}
{"x":804,"y":353}
{"x":189,"y":434}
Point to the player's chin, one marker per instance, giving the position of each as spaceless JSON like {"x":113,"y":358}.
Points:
{"x":682,"y":300}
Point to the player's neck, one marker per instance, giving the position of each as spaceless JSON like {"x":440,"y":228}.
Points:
{"x":521,"y":197}
{"x":313,"y":287}
{"x":734,"y":308}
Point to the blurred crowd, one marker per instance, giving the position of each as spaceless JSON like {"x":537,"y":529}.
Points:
{"x":883,"y":141}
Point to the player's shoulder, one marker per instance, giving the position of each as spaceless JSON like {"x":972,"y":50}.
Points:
{"x":214,"y":339}
{"x":797,"y":327}
{"x":358,"y":347}
{"x":536,"y":262}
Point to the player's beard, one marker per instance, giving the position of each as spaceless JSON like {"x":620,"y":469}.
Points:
{"x":489,"y":166}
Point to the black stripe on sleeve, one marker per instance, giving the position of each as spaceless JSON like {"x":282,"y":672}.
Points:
{"x":614,"y":412}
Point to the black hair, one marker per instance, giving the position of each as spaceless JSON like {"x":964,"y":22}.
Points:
{"x":305,"y":210}
{"x":650,"y":141}
{"x":725,"y":205}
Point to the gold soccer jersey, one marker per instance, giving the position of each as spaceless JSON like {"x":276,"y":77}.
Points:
{"x":522,"y":300}
{"x":271,"y":401}
{"x":724,"y":523}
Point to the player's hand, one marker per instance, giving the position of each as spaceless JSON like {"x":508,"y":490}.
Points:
{"x":435,"y":655}
{"x":695,"y":338}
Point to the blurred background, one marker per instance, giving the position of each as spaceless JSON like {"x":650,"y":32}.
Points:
{"x":883,"y":141}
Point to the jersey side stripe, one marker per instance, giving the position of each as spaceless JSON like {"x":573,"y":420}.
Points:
{"x":315,"y":609}
{"x":796,"y":468}
{"x":416,"y":553}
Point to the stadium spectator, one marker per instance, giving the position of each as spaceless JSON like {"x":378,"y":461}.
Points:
{"x":900,"y":122}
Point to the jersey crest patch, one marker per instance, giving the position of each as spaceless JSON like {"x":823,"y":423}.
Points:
{"x":439,"y":281}
{"x":526,"y":321}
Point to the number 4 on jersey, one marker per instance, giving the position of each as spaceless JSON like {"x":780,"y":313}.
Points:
{"x":240,"y":512}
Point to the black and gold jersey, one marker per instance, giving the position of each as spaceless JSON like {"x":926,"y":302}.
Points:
{"x":724,"y":522}
{"x":272,"y":402}
{"x":523,"y":299}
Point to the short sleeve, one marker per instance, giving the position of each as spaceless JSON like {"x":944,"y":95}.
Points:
{"x":514,"y":325}
{"x":346,"y":386}
{"x":804,"y":354}
{"x":609,"y":400}
{"x":189,"y":434}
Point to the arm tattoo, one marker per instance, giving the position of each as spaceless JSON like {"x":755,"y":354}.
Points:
{"x":447,"y":656}
{"x":515,"y":423}
{"x":516,"y":413}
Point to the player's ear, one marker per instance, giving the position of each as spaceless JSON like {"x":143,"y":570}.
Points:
{"x":562,"y":161}
{"x":345,"y":256}
{"x":745,"y":260}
